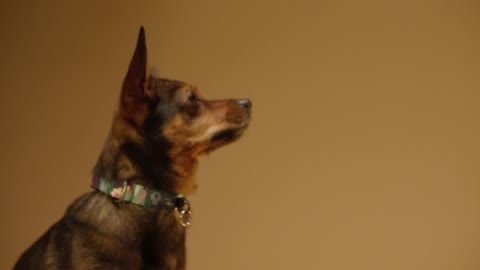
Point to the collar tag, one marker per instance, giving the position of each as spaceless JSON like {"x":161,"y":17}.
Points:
{"x":182,"y":206}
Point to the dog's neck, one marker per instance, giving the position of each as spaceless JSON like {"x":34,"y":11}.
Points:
{"x":161,"y":168}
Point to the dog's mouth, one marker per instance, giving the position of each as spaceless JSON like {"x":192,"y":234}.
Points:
{"x":224,"y":135}
{"x":229,"y":135}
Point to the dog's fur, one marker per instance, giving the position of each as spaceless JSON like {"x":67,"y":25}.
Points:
{"x":159,"y":129}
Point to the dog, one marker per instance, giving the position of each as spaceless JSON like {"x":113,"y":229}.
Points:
{"x":137,"y":214}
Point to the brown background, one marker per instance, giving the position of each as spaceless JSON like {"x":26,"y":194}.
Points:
{"x":363,"y":152}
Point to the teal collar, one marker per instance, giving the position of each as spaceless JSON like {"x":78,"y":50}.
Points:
{"x":145,"y":196}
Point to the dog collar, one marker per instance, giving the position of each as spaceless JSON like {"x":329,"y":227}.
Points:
{"x":145,"y":196}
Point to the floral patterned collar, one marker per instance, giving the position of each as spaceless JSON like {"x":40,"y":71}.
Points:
{"x":145,"y":196}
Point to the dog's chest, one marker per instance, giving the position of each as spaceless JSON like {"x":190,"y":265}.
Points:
{"x":136,"y":236}
{"x":164,"y":247}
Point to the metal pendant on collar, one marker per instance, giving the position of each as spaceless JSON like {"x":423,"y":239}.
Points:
{"x":182,"y":206}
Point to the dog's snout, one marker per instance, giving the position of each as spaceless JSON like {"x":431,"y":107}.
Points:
{"x":245,"y":103}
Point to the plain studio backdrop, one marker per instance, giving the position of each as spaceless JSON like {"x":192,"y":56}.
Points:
{"x":364,"y":148}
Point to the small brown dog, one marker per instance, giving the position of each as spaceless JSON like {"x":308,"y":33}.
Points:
{"x":137,"y":216}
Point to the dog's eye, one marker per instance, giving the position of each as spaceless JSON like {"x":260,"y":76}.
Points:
{"x":193,"y":98}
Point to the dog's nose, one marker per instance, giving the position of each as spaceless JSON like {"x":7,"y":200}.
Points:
{"x":245,"y":103}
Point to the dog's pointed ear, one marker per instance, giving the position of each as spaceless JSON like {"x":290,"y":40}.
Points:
{"x":133,"y":85}
{"x":134,"y":97}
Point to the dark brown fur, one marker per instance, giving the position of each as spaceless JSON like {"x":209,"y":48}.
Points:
{"x":159,"y":130}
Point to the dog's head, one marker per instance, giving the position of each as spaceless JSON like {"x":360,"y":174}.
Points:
{"x":171,"y":112}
